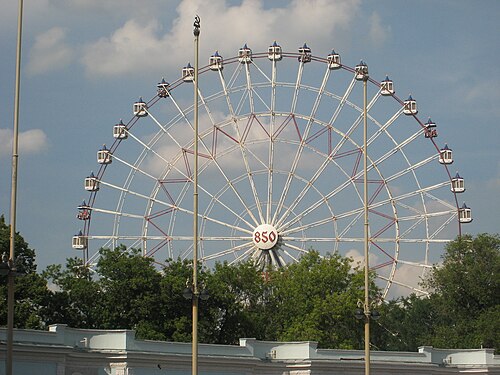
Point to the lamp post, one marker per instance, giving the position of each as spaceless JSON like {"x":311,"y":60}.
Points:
{"x":13,"y":200}
{"x":194,"y":300}
{"x":367,"y":227}
{"x":361,"y":74}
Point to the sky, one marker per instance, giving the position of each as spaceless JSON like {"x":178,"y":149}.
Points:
{"x":84,"y":63}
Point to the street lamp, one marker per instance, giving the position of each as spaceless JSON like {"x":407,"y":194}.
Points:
{"x":195,"y":292}
{"x":10,"y":270}
{"x":361,"y":74}
{"x":188,"y":293}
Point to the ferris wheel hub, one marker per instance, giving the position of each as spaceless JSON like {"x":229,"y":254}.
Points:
{"x":265,"y":236}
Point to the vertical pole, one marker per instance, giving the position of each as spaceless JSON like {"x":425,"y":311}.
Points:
{"x":365,"y":199}
{"x":13,"y":202}
{"x":196,"y":33}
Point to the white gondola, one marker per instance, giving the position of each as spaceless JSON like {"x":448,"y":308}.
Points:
{"x":304,"y":54}
{"x":387,"y":87}
{"x":410,"y":106}
{"x":274,"y":52}
{"x":430,"y":130}
{"x":333,"y":60}
{"x":446,"y":155}
{"x":457,"y":184}
{"x":104,"y":156}
{"x":140,"y":108}
{"x":216,"y":62}
{"x":188,"y":73}
{"x":83,"y":211}
{"x":464,"y":214}
{"x":245,"y":55}
{"x":163,"y":89}
{"x":120,"y":131}
{"x":91,"y":183}
{"x":79,"y":241}
{"x":361,"y":71}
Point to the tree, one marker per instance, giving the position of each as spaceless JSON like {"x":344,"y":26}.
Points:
{"x":176,"y":310}
{"x":315,"y":299}
{"x":462,"y":310}
{"x":466,"y":293}
{"x":130,"y":286}
{"x":237,"y":303}
{"x":76,"y":298}
{"x":31,"y":291}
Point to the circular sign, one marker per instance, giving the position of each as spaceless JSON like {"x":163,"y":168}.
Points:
{"x":265,"y":236}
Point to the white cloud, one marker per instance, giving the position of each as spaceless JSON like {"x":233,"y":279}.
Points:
{"x":359,"y":259}
{"x":378,"y":31}
{"x":30,"y":142}
{"x":408,"y":275}
{"x":143,"y":45}
{"x":50,"y":52}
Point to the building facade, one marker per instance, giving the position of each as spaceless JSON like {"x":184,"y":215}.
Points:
{"x":67,"y":351}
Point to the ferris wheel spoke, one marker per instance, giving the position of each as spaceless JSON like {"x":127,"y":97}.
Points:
{"x":243,"y":150}
{"x":328,"y":159}
{"x":308,"y":185}
{"x":310,"y":121}
{"x":398,"y":147}
{"x":352,"y":222}
{"x":411,"y":168}
{"x":244,"y":255}
{"x":297,"y":86}
{"x":440,"y":201}
{"x":249,"y":89}
{"x":276,"y":258}
{"x":294,"y":247}
{"x":228,"y":251}
{"x":270,"y":166}
{"x":216,"y":199}
{"x":418,"y":192}
{"x":294,"y":258}
{"x":147,"y":148}
{"x":247,"y":167}
{"x":117,"y":213}
{"x":164,"y":129}
{"x":316,"y":205}
{"x":357,"y":212}
{"x":408,"y":286}
{"x":382,"y":129}
{"x":301,"y":145}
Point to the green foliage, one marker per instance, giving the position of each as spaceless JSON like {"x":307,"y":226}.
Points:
{"x":130,"y":287}
{"x":313,"y":299}
{"x":31,"y":292}
{"x":76,"y":298}
{"x":237,"y":304}
{"x":466,"y":293}
{"x":463,"y":309}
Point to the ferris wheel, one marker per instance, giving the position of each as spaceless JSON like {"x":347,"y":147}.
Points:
{"x":280,"y":149}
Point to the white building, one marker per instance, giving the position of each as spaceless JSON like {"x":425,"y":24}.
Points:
{"x":67,"y":351}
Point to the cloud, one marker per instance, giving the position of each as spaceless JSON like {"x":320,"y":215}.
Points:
{"x":409,"y":275}
{"x":30,"y":142}
{"x":359,"y":258}
{"x":141,"y":44}
{"x":378,"y":31}
{"x":50,"y":52}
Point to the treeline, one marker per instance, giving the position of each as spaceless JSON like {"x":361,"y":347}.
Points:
{"x":313,"y":299}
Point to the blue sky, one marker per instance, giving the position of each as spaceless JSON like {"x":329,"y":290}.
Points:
{"x":85,"y":62}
